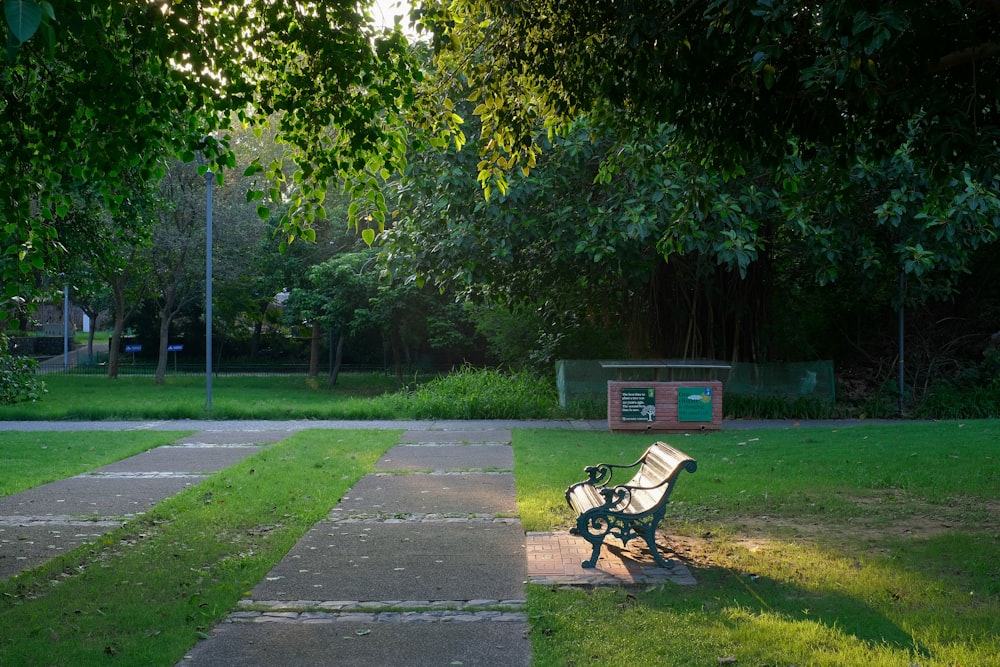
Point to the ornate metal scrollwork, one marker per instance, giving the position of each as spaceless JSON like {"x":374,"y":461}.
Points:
{"x":616,"y":497}
{"x":598,"y":475}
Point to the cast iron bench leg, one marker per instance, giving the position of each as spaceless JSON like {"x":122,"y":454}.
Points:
{"x":648,"y":532}
{"x":595,"y":540}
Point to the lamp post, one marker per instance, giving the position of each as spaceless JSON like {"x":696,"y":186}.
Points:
{"x":208,"y":289}
{"x":66,"y":328}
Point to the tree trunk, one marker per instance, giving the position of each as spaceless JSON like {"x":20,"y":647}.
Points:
{"x":116,"y":332}
{"x":314,"y":350}
{"x":258,"y":327}
{"x":397,"y":357}
{"x":162,"y":354}
{"x":93,"y":330}
{"x":255,"y":340}
{"x":338,"y":358}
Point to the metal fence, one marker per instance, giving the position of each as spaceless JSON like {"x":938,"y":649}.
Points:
{"x":586,"y":380}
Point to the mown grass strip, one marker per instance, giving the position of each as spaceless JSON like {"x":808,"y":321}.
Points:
{"x":145,"y":593}
{"x":83,"y":397}
{"x":35,"y":458}
{"x":463,"y":394}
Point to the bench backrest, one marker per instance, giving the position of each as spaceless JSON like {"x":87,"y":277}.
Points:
{"x":654,"y":480}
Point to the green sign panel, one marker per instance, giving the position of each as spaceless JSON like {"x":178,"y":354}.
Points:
{"x":694,"y":404}
{"x":638,"y":404}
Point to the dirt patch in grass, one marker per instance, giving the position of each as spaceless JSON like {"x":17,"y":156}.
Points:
{"x":887,"y":518}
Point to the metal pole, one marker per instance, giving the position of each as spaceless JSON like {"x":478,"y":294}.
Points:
{"x":66,"y":329}
{"x":902,"y":329}
{"x":208,"y":290}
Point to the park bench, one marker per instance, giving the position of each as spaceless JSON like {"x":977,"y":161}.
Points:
{"x":629,"y":510}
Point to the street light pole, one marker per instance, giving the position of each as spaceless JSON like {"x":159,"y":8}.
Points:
{"x":208,"y":289}
{"x":66,"y":328}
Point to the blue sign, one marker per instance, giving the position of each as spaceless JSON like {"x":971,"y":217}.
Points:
{"x":135,"y":347}
{"x":177,"y":347}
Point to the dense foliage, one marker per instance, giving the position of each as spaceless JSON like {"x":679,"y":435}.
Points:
{"x":736,"y":77}
{"x":18,"y":382}
{"x":96,"y":95}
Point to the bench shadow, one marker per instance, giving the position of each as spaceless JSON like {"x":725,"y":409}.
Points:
{"x":761,"y":594}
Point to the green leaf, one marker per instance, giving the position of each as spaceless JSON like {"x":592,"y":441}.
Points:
{"x":23,"y":18}
{"x":368,"y":236}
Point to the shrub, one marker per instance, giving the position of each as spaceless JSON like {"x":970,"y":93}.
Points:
{"x":973,"y":394}
{"x":741,"y":406}
{"x":18,"y":382}
{"x":473,"y":393}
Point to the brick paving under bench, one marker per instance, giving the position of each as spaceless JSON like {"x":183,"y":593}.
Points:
{"x":555,"y":559}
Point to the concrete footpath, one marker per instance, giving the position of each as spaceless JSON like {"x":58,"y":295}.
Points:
{"x":41,"y":523}
{"x":423,"y":562}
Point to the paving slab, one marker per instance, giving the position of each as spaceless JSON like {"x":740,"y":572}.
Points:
{"x":448,"y":457}
{"x":447,"y":494}
{"x":190,"y":459}
{"x":406,"y":560}
{"x":26,"y":546}
{"x":242,"y":437}
{"x":349,"y":643}
{"x":96,"y":496}
{"x":461,"y":436}
{"x":555,"y":559}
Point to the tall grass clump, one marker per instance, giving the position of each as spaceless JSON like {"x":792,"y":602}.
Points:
{"x":744,"y":406}
{"x":974,"y":393}
{"x":476,"y":393}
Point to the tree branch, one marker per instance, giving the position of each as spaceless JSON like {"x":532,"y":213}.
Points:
{"x":969,"y":55}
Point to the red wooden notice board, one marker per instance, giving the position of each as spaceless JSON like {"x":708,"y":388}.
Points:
{"x":665,"y":407}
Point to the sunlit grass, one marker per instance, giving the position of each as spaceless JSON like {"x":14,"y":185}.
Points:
{"x":867,"y":545}
{"x":870,"y":545}
{"x":145,"y":593}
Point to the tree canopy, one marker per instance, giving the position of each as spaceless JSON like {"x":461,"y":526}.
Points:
{"x":859,"y":124}
{"x":825,"y":140}
{"x":736,"y":77}
{"x":96,"y":94}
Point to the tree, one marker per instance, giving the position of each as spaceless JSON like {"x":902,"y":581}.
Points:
{"x":741,"y":133}
{"x":176,"y":254}
{"x":116,"y":87}
{"x":341,"y":287}
{"x":108,"y":256}
{"x":736,"y":77}
{"x":670,"y":257}
{"x":797,"y":96}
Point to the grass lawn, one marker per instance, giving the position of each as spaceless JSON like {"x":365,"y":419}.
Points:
{"x":84,"y":397}
{"x":868,"y":545}
{"x":31,"y":459}
{"x":462,"y":394}
{"x":145,"y":593}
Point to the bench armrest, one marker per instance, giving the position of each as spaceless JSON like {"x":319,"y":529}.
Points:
{"x":601,"y":474}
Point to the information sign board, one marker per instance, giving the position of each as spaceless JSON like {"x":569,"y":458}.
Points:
{"x":638,"y":404}
{"x":694,"y":404}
